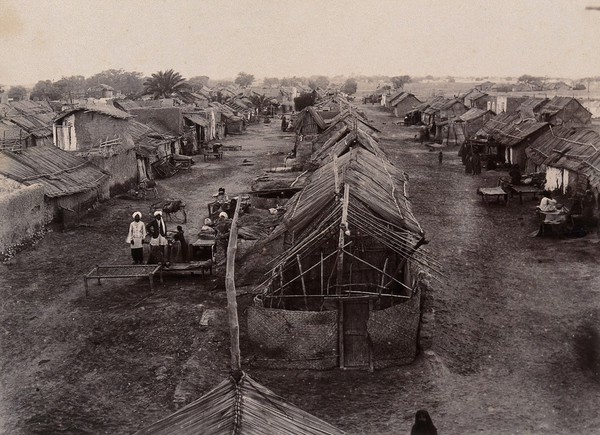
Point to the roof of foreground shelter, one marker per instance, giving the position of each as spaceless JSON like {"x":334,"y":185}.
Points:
{"x":241,"y":408}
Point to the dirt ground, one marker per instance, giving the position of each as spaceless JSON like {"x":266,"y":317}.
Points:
{"x":510,"y":353}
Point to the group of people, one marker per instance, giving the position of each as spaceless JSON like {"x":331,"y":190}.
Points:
{"x":472,"y":162}
{"x":580,"y":216}
{"x":165,"y":246}
{"x":158,"y":240}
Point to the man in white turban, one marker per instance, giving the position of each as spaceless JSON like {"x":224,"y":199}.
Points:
{"x":158,"y":231}
{"x":137,"y":233}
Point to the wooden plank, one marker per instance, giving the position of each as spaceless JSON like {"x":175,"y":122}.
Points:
{"x":234,"y":327}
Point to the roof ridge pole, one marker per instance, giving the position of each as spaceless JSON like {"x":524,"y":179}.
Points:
{"x":335,"y":175}
{"x":234,"y":326}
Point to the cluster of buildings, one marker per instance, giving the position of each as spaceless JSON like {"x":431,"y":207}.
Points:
{"x":539,"y":134}
{"x":58,"y":159}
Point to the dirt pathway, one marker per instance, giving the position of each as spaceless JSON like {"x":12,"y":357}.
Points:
{"x":507,"y":319}
{"x":508,"y":315}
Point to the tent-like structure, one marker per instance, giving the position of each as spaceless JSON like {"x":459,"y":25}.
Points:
{"x":241,"y":408}
{"x":345,"y":291}
{"x":458,"y":130}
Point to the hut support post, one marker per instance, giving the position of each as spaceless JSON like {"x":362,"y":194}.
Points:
{"x":383,"y":274}
{"x":302,"y":281}
{"x":234,"y":326}
{"x":321,"y":272}
{"x":343,"y":227}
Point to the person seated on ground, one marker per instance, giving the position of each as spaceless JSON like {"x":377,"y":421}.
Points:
{"x":207,"y":231}
{"x":553,"y":212}
{"x":423,"y":424}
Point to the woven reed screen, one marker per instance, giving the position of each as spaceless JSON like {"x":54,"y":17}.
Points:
{"x":293,"y":339}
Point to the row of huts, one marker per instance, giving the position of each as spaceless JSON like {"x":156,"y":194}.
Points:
{"x":89,"y":152}
{"x":347,"y":285}
{"x":551,"y":135}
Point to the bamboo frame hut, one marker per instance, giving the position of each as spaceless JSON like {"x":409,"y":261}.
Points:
{"x":351,"y":261}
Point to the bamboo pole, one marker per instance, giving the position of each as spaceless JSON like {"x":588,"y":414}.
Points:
{"x":321,"y":272}
{"x":302,"y":281}
{"x":234,"y":326}
{"x":378,"y":270}
{"x":343,"y":227}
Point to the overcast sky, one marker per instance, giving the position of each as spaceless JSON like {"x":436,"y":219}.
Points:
{"x":44,"y":39}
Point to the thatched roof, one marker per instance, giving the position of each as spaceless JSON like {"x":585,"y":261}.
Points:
{"x":402,"y":97}
{"x":35,"y":118}
{"x":346,"y":139}
{"x":472,"y":114}
{"x":577,"y":150}
{"x":349,"y":116}
{"x":196,"y":118}
{"x":541,"y":151}
{"x":509,"y":129}
{"x":103,"y":109}
{"x":60,"y":172}
{"x":376,"y":187}
{"x":309,"y":112}
{"x":241,"y":408}
{"x":557,"y":104}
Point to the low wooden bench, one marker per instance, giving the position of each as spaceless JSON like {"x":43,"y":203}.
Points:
{"x":490,"y":192}
{"x":216,"y":154}
{"x":525,"y":190}
{"x":123,"y":271}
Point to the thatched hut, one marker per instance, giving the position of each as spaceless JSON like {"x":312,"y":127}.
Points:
{"x":346,"y":291}
{"x":511,"y":135}
{"x":459,"y":129}
{"x":71,"y":184}
{"x":569,"y":157}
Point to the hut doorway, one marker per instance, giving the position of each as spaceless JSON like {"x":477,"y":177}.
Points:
{"x":355,"y":347}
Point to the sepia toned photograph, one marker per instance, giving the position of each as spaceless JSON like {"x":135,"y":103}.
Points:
{"x":299,"y":218}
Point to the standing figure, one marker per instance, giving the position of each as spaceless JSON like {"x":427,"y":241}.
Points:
{"x":440,"y":157}
{"x":423,"y":424}
{"x":589,"y":204}
{"x":284,"y":123}
{"x":158,"y":232}
{"x":137,"y":233}
{"x":180,"y":247}
{"x":476,"y":161}
{"x":469,"y":164}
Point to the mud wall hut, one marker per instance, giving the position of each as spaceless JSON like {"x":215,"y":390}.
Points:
{"x":16,"y":201}
{"x":71,"y":183}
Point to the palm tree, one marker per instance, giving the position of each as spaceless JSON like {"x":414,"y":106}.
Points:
{"x":259,"y":101}
{"x":166,"y":84}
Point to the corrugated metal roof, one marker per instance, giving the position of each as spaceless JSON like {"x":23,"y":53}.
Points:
{"x":60,"y":172}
